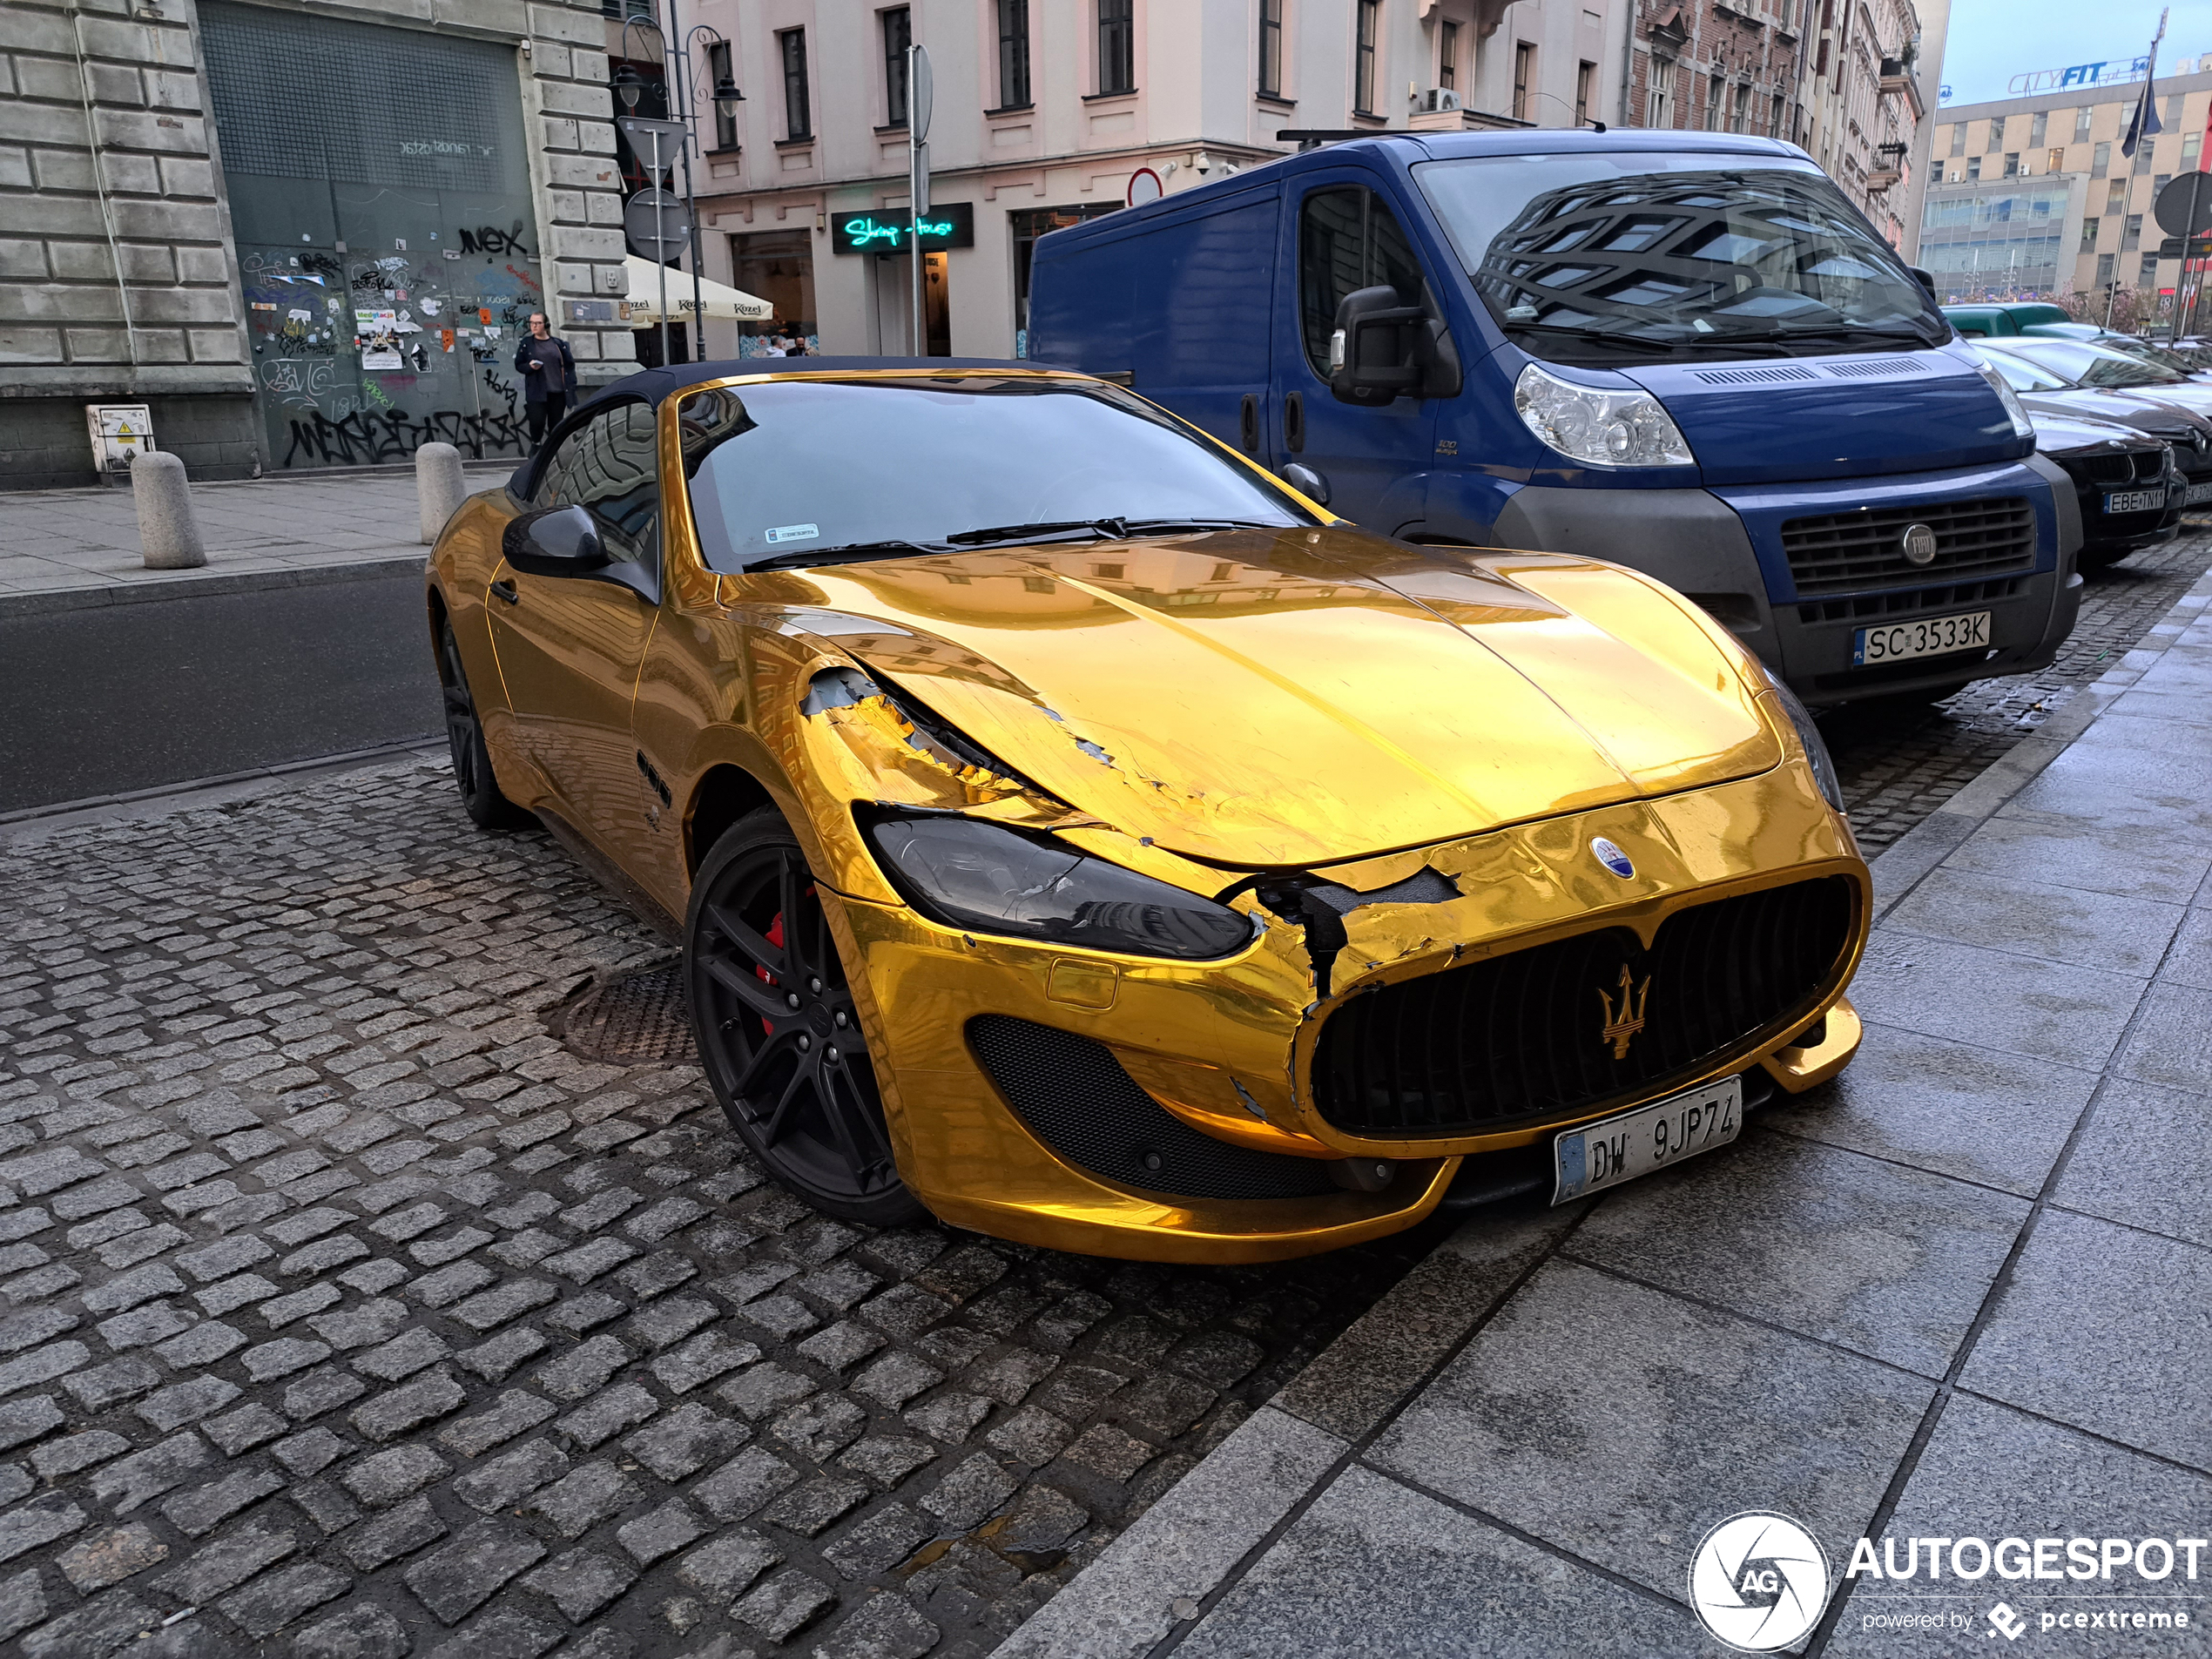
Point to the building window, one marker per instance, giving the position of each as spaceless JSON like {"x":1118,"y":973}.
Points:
{"x":718,"y":70}
{"x":2101,"y":160}
{"x":1524,"y":81}
{"x":2192,"y":146}
{"x":1958,"y":138}
{"x":2144,"y":153}
{"x":2131,"y":235}
{"x":2148,"y":277}
{"x":1743,"y":109}
{"x":2173,"y":109}
{"x":1447,"y":56}
{"x":2158,"y":184}
{"x":2012,"y":165}
{"x":2104,"y":270}
{"x":1585,"y":84}
{"x":2037,"y":128}
{"x":1773,"y":126}
{"x":2116,"y":198}
{"x":897,"y":36}
{"x":1270,"y":48}
{"x":1116,"y":46}
{"x":1713,"y":104}
{"x":2081,"y":125}
{"x":1013,"y":54}
{"x":1996,"y":133}
{"x":2089,"y":234}
{"x":1362,"y":77}
{"x":1659,"y":94}
{"x":798,"y":116}
{"x":1974,"y":168}
{"x":2054,"y":162}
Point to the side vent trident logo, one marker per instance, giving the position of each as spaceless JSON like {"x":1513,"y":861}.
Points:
{"x":1622,"y":1023}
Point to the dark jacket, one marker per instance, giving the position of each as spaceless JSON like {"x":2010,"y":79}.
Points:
{"x":555,"y":374}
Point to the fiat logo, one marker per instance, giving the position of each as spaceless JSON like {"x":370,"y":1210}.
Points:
{"x":1919,"y":545}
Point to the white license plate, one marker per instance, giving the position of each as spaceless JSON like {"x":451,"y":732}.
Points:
{"x":1598,"y":1156}
{"x":2197,"y":493}
{"x":2135,"y":500}
{"x":1930,"y":636}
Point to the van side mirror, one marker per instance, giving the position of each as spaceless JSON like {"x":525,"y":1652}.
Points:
{"x":1383,"y":350}
{"x":555,"y":541}
{"x":1925,"y":278}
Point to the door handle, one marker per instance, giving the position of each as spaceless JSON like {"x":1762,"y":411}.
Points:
{"x":1248,"y":423}
{"x":506,"y":591}
{"x":1294,"y":423}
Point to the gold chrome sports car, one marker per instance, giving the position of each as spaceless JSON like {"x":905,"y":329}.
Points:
{"x":1080,"y":834}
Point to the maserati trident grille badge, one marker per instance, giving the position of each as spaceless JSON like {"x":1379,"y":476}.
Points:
{"x":1623,"y":1022}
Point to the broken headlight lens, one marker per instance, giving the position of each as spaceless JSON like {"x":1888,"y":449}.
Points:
{"x":1824,"y":764}
{"x":1602,"y":428}
{"x":985,"y":878}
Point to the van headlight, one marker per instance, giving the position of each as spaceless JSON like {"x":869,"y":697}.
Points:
{"x":1824,"y":764}
{"x":965,"y":873}
{"x":1599,"y":428}
{"x":2016,"y":411}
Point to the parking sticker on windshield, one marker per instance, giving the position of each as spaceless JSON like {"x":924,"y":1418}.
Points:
{"x":793,"y":533}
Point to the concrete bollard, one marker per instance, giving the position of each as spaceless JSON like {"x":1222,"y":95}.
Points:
{"x":168,"y":534}
{"x":439,"y":487}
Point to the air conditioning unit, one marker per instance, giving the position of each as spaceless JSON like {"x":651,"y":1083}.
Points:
{"x":1438,"y":100}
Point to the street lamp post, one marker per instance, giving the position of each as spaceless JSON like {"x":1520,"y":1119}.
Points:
{"x":629,"y":84}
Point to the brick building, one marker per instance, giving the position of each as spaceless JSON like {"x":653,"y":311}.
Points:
{"x":1716,"y":67}
{"x":296,"y":238}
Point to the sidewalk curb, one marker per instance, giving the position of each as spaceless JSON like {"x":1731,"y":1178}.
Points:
{"x":54,"y":601}
{"x":1158,"y":1574}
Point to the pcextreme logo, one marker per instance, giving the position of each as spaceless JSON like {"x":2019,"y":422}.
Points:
{"x":1758,"y":1581}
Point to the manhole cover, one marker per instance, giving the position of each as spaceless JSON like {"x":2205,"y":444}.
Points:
{"x":640,"y":1019}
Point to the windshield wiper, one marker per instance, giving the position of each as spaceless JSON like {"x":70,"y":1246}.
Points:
{"x":851,"y":553}
{"x":1112,"y":529}
{"x":1851,"y":331}
{"x":1617,"y":341}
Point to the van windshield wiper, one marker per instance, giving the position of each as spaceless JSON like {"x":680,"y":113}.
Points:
{"x":851,"y":553}
{"x":1759,"y":345}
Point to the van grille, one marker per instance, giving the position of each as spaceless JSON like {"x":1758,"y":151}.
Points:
{"x":1840,"y":551}
{"x":1912,"y":601}
{"x":1522,"y":1034}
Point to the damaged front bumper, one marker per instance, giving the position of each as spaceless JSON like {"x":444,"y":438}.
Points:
{"x":1133,"y":1107}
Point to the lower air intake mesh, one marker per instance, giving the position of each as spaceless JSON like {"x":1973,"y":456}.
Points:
{"x":1073,"y":1095}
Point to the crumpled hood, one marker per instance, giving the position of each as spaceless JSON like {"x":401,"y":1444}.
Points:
{"x":1265,"y":699}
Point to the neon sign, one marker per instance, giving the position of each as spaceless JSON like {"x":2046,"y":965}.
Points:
{"x":948,"y":224}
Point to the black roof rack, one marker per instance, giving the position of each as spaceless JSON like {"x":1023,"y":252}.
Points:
{"x":1314,"y":138}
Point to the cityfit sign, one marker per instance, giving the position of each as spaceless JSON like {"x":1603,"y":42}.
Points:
{"x":2116,"y":71}
{"x":946,"y":225}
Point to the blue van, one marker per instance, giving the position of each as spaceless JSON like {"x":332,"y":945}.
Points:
{"x":1686,"y":352}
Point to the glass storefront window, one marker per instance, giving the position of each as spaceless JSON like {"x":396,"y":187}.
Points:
{"x":777,"y":266}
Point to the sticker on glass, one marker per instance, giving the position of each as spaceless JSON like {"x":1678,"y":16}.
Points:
{"x":792,"y":533}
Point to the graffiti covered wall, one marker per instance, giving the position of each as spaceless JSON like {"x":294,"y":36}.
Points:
{"x":386,"y":241}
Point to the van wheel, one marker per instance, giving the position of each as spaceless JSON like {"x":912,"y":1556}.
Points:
{"x":778,"y":1032}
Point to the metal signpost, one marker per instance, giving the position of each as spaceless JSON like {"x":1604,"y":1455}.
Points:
{"x":918,"y":100}
{"x":655,"y":221}
{"x":2184,"y":209}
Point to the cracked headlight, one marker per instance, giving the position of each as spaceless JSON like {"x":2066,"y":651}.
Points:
{"x":1824,"y":764}
{"x":985,"y":878}
{"x":2014,"y":409}
{"x":1602,"y":428}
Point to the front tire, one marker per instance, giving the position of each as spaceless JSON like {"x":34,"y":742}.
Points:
{"x":472,"y":774}
{"x":778,"y":1036}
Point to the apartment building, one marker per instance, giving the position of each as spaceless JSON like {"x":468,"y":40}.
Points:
{"x":1043,"y":114}
{"x":1716,"y":67}
{"x":2031,"y":196}
{"x":1864,"y":96}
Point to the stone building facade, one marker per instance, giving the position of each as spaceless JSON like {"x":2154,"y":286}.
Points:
{"x":1716,"y":67}
{"x":1864,"y":100}
{"x":212,"y":209}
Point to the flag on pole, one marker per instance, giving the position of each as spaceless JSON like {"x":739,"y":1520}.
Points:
{"x":2145,"y":123}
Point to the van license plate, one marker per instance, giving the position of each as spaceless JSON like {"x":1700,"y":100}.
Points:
{"x":1620,"y":1148}
{"x":2135,"y":500}
{"x":1931,"y":637}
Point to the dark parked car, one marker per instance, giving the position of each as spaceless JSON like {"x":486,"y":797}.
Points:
{"x":2186,"y":431}
{"x":2117,"y":388}
{"x":2129,"y":489}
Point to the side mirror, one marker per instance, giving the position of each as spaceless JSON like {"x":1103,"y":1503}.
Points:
{"x":1925,"y":278}
{"x":555,"y":541}
{"x":1383,"y":350}
{"x":1308,"y":483}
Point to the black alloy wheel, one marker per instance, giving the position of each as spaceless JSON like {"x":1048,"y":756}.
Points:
{"x":778,"y":1032}
{"x":472,"y":774}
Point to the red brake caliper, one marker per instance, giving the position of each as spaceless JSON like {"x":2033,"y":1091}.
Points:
{"x":774,"y":936}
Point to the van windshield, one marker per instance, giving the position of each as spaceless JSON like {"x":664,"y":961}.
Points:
{"x":1631,"y":257}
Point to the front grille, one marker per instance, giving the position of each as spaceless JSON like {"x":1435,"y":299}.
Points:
{"x":1841,"y":551}
{"x":1912,"y":601}
{"x":2118,"y":471}
{"x":1073,"y":1095}
{"x":1523,"y":1034}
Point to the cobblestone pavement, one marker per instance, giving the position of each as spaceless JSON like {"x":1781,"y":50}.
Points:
{"x":348,"y":1314}
{"x":1899,"y":764}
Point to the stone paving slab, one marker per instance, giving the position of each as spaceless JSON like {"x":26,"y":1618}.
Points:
{"x":66,"y":548}
{"x":1961,"y":1290}
{"x":347,"y":1314}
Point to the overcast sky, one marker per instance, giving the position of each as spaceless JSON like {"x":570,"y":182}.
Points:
{"x":1990,"y":41}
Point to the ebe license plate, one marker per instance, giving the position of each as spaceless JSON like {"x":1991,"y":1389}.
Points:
{"x":1598,"y":1156}
{"x":2135,"y":500}
{"x":1931,"y":637}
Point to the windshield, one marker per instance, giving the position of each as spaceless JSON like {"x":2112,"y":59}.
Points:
{"x":788,"y":472}
{"x":2020,"y":375}
{"x":1635,"y":257}
{"x":2090,"y":365}
{"x":2148,"y":352}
